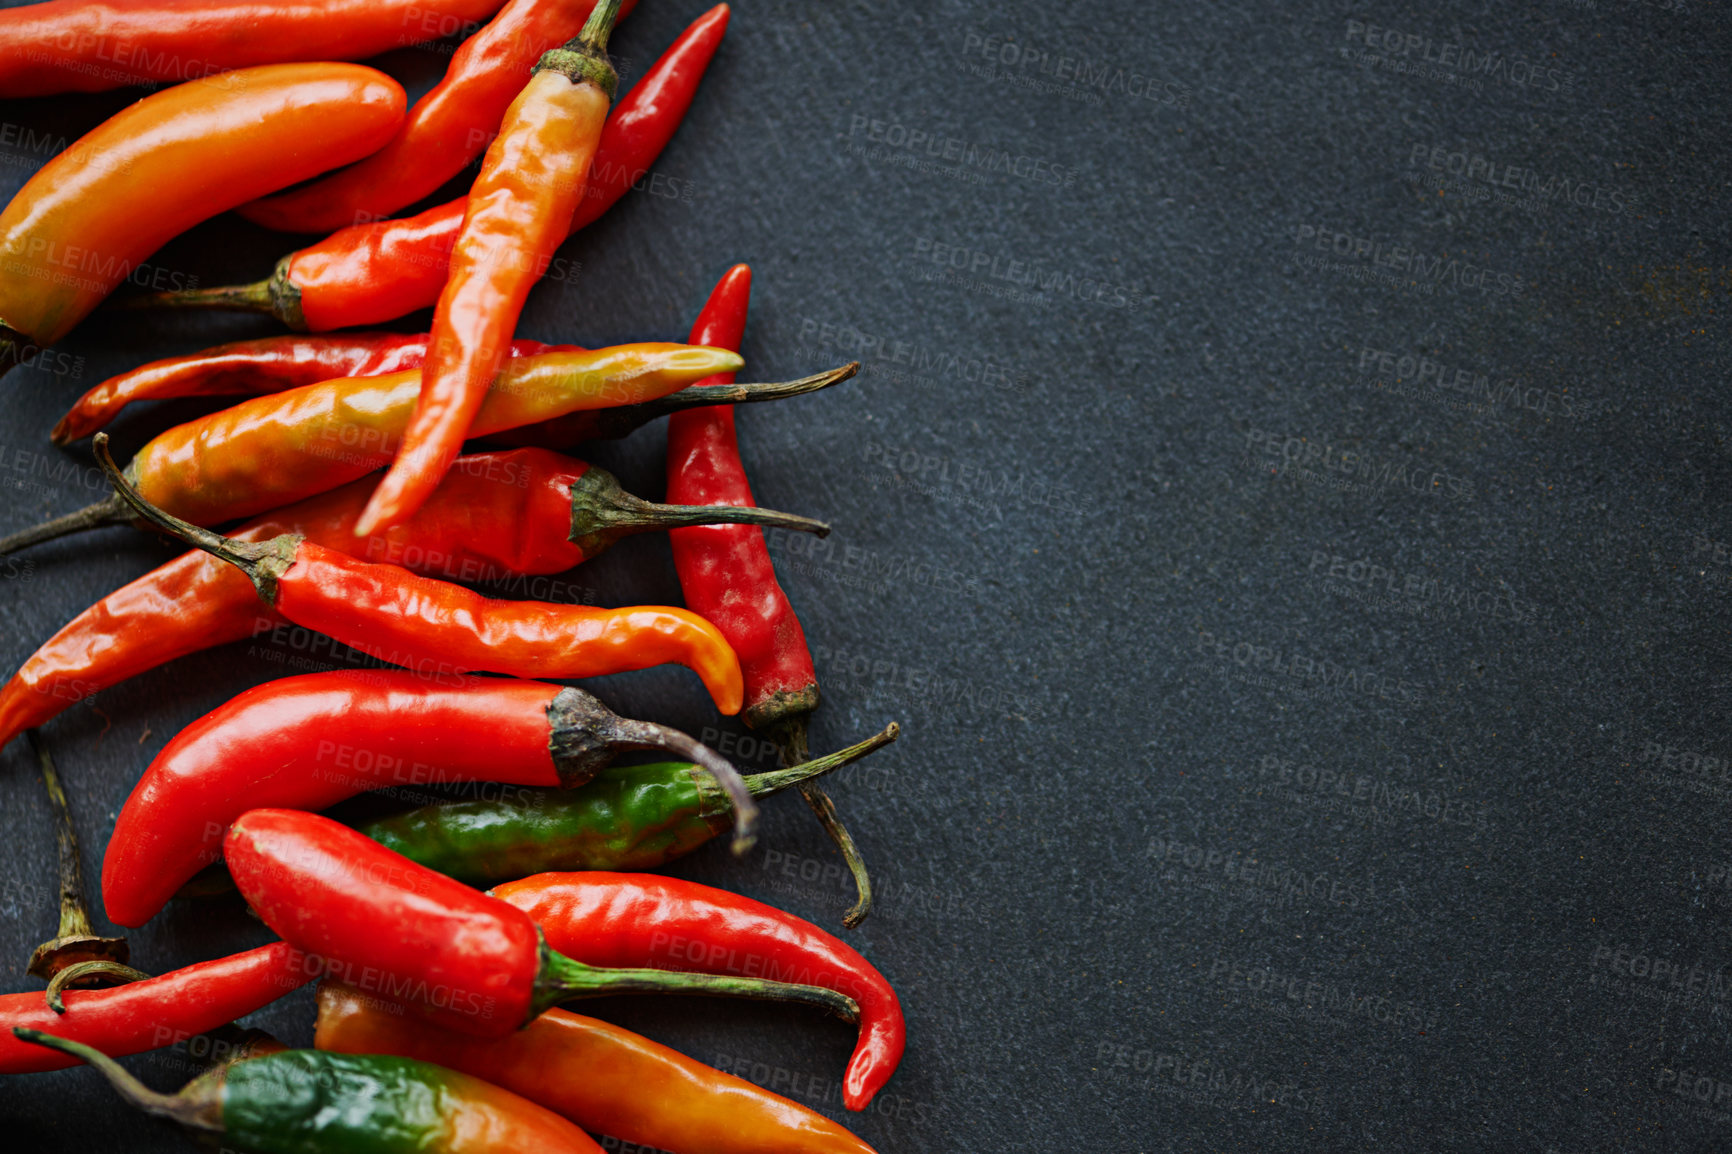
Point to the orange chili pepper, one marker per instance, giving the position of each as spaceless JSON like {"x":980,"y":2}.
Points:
{"x":520,"y":209}
{"x":606,"y":1079}
{"x":83,"y":224}
{"x":441,"y":629}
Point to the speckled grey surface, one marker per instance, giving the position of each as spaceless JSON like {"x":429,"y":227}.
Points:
{"x":1284,"y":505}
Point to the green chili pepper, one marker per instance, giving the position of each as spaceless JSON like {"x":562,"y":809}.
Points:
{"x":301,"y":1101}
{"x":626,"y":818}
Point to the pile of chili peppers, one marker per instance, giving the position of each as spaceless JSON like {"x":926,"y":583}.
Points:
{"x":337,"y":496}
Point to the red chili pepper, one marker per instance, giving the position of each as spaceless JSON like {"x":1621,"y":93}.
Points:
{"x":83,"y":223}
{"x":372,"y":273}
{"x":470,"y":962}
{"x":560,"y":511}
{"x":437,"y":628}
{"x":309,"y":742}
{"x":254,"y":368}
{"x":629,"y":920}
{"x":77,"y":46}
{"x":727,"y":576}
{"x":152,"y":1012}
{"x":446,"y":129}
{"x":520,"y":209}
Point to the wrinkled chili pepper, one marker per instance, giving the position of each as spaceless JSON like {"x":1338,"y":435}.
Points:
{"x":608,"y":919}
{"x":375,"y":272}
{"x":254,"y":368}
{"x":77,"y":46}
{"x":86,"y":220}
{"x":605,"y":1079}
{"x":275,"y":364}
{"x":437,"y":628}
{"x":153,"y":1012}
{"x":469,"y":962}
{"x":76,"y":957}
{"x":634,"y":817}
{"x":357,"y":1103}
{"x":561,"y":512}
{"x":333,"y":735}
{"x":520,"y":209}
{"x":444,"y":131}
{"x":728,"y":577}
{"x":269,"y":451}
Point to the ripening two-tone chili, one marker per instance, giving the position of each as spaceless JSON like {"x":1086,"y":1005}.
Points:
{"x":466,"y":961}
{"x":605,"y":1079}
{"x":274,"y":1099}
{"x":634,"y":817}
{"x":153,"y":1012}
{"x":309,"y":742}
{"x":76,"y":46}
{"x":370,"y":273}
{"x":727,"y":576}
{"x":443,"y":132}
{"x":561,"y":512}
{"x":85,"y":222}
{"x":520,"y":209}
{"x":629,"y":920}
{"x":439,"y":629}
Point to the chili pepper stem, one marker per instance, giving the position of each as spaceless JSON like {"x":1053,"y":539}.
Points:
{"x":789,"y":733}
{"x":561,"y":979}
{"x":584,"y":58}
{"x":75,"y":953}
{"x":765,"y":784}
{"x":602,"y":512}
{"x":611,"y":424}
{"x":110,"y":511}
{"x":277,"y":296}
{"x":586,"y":734}
{"x":198,"y":1107}
{"x":263,"y":562}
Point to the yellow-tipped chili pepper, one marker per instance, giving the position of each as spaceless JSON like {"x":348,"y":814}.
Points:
{"x":520,"y":209}
{"x":87,"y":220}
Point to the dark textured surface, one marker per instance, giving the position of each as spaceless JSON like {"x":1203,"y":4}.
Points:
{"x":1252,"y":796}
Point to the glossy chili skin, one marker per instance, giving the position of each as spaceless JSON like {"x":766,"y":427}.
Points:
{"x":301,"y":1100}
{"x":370,"y":273}
{"x":153,"y":1012}
{"x":438,"y":629}
{"x":255,"y":368}
{"x":725,"y":570}
{"x":84,"y":222}
{"x":470,"y":960}
{"x":77,"y":46}
{"x":269,"y":451}
{"x":630,"y":920}
{"x":520,"y":210}
{"x":309,"y":742}
{"x":605,"y":1079}
{"x":444,"y":131}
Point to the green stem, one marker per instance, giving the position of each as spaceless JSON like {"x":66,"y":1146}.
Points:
{"x":109,"y":511}
{"x":201,"y":1111}
{"x":562,"y":979}
{"x":765,"y":784}
{"x":790,"y":733}
{"x":83,"y":973}
{"x":602,"y":512}
{"x":277,"y":296}
{"x":263,"y":562}
{"x":584,"y":58}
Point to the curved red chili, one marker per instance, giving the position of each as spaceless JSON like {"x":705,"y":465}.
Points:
{"x":446,"y":129}
{"x":470,"y":962}
{"x":309,"y":742}
{"x":153,"y":1012}
{"x":609,"y":919}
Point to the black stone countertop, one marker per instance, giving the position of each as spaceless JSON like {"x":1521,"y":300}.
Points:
{"x":1284,"y":504}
